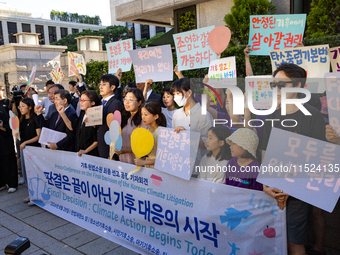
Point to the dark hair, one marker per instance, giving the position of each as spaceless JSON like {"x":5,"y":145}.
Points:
{"x":131,"y":84}
{"x":73,"y":83}
{"x":49,"y":82}
{"x":58,"y":86}
{"x":92,"y":95}
{"x":166,"y":89}
{"x":247,"y":154}
{"x":30,"y":103}
{"x":22,"y":85}
{"x":137,"y":118}
{"x":294,"y":72}
{"x":111,"y":79}
{"x":64,"y":94}
{"x":222,"y":133}
{"x":154,"y":107}
{"x":182,"y":85}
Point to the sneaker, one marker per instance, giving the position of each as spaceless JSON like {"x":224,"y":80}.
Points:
{"x":27,"y":199}
{"x":30,"y":203}
{"x":21,"y":180}
{"x":11,"y":190}
{"x":3,"y":187}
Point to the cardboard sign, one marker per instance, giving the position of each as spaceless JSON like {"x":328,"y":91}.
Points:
{"x":176,"y":152}
{"x":274,"y":32}
{"x":303,"y":167}
{"x":94,"y":116}
{"x":118,"y":55}
{"x":153,"y":63}
{"x":262,"y":93}
{"x":332,"y":81}
{"x":222,"y":72}
{"x":153,"y":212}
{"x":76,"y":61}
{"x":57,"y":75}
{"x":334,"y":55}
{"x":193,"y":50}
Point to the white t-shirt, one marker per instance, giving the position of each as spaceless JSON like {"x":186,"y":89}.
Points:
{"x":168,"y":115}
{"x":206,"y":173}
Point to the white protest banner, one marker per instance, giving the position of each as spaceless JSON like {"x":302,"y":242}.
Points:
{"x":193,"y":50}
{"x":332,"y":81}
{"x":76,"y":61}
{"x":50,"y":136}
{"x":118,"y":55}
{"x":334,"y":55}
{"x":176,"y":152}
{"x":153,"y":212}
{"x":222,"y":72}
{"x":94,"y":116}
{"x":314,"y":59}
{"x":152,"y":63}
{"x":304,"y":167}
{"x":262,"y":93}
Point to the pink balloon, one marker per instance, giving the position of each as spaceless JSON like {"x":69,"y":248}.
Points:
{"x":118,"y":117}
{"x":14,"y":123}
{"x":219,"y":39}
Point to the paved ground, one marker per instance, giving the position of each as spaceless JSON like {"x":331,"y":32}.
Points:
{"x":48,"y":233}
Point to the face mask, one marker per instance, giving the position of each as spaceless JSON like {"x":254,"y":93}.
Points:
{"x":180,"y":101}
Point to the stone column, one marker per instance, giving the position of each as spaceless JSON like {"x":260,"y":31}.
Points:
{"x":152,"y":30}
{"x":46,"y":35}
{"x":5,"y":31}
{"x":69,"y":30}
{"x":137,"y":32}
{"x":58,"y":33}
{"x":19,"y":27}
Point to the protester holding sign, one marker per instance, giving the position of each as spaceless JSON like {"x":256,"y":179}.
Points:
{"x":288,"y":76}
{"x":219,"y":154}
{"x":169,"y":103}
{"x":131,"y":119}
{"x":331,"y":135}
{"x":152,"y":115}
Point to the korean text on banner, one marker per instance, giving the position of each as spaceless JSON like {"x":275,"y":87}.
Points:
{"x":118,"y":55}
{"x":262,"y":93}
{"x":176,"y":152}
{"x":332,"y":81}
{"x":304,"y":167}
{"x":152,"y":63}
{"x":76,"y":61}
{"x":94,"y":116}
{"x":274,"y":32}
{"x":153,"y":212}
{"x":334,"y":55}
{"x":193,"y":50}
{"x":222,"y":72}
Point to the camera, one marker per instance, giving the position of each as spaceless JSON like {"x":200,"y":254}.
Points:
{"x":17,"y":94}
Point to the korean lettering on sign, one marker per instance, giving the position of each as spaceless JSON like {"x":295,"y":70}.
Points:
{"x":334,"y":54}
{"x":118,"y":55}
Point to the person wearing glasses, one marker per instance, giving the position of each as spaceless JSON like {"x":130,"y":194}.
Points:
{"x":290,"y":75}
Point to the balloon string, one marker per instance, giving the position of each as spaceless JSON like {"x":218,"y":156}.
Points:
{"x":132,"y":172}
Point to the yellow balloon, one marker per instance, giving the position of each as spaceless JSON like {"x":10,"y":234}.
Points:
{"x":141,"y":142}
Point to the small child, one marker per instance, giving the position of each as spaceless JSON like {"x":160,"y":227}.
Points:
{"x":152,"y":115}
{"x":243,"y":166}
{"x":218,"y":155}
{"x":168,"y":101}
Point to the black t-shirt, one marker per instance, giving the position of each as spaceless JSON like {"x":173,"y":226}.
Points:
{"x":312,"y":126}
{"x":5,"y":106}
{"x":28,"y":131}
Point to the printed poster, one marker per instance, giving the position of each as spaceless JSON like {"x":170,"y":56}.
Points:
{"x":118,"y":55}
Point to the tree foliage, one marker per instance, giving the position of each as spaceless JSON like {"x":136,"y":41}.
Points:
{"x":238,"y":19}
{"x":187,"y":21}
{"x":323,"y":19}
{"x":145,"y":42}
{"x":111,"y":34}
{"x":75,"y":17}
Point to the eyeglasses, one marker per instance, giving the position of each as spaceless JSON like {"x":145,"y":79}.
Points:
{"x":129,"y":100}
{"x":279,"y":84}
{"x":83,"y":100}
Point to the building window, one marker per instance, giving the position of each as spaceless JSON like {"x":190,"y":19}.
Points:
{"x":185,"y":19}
{"x":12,"y":29}
{"x":63,"y":32}
{"x":1,"y":35}
{"x":131,"y":30}
{"x":52,"y":34}
{"x":26,"y":28}
{"x":75,"y":30}
{"x":40,"y":29}
{"x":160,"y":29}
{"x":145,"y":31}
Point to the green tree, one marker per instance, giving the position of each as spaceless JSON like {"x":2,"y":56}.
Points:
{"x":145,"y":42}
{"x":323,"y":19}
{"x":239,"y":18}
{"x":75,"y":17}
{"x":187,"y":21}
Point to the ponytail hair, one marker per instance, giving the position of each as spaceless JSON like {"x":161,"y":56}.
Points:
{"x":154,"y":107}
{"x":222,"y":133}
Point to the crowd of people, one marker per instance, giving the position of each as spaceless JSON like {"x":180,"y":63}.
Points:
{"x":178,"y":107}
